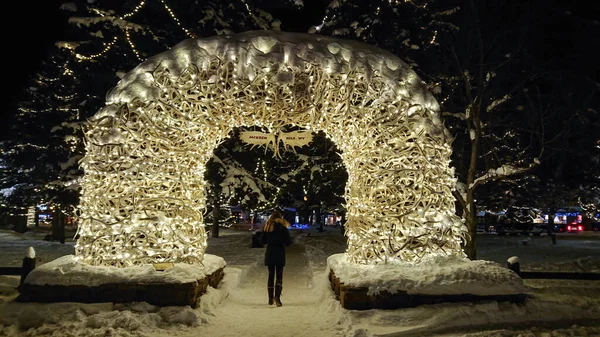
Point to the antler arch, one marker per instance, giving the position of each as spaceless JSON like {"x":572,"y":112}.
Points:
{"x":143,"y":190}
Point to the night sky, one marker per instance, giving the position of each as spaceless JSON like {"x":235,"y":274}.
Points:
{"x":31,"y":28}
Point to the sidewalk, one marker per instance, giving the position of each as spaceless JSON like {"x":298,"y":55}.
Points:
{"x":245,"y":311}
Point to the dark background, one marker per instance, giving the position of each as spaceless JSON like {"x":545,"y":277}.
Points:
{"x":30,"y":29}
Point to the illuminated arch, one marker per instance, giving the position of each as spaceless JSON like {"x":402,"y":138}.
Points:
{"x":143,"y":192}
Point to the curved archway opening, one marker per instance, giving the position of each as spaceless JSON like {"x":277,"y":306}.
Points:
{"x":299,"y":172}
{"x":143,"y":193}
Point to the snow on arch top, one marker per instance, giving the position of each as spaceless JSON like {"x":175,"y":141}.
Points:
{"x":257,"y":51}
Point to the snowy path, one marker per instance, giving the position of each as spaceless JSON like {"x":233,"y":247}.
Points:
{"x":245,"y":311}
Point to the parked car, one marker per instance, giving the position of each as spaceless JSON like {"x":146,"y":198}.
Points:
{"x":568,"y":228}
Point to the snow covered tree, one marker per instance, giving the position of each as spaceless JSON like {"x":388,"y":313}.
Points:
{"x":106,"y":39}
{"x":407,"y":29}
{"x":311,"y":178}
{"x":239,"y":176}
{"x":479,"y":59}
{"x":484,"y":95}
{"x":39,"y":151}
{"x":506,"y":96}
{"x":315,"y":178}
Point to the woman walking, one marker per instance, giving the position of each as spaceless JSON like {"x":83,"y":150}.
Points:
{"x":276,"y":236}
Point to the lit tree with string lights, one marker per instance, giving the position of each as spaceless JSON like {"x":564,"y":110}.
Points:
{"x":427,"y":32}
{"x":374,"y":254}
{"x":316,"y":182}
{"x":106,"y":40}
{"x":112,"y":38}
{"x":501,"y":89}
{"x":309,"y":178}
{"x":238,"y":176}
{"x":40,"y":151}
{"x":409,"y":29}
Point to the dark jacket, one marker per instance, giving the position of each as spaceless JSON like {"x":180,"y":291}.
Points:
{"x":276,"y":242}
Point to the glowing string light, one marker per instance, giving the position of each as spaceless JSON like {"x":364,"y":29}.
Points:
{"x":128,"y":37}
{"x":107,"y":47}
{"x":135,"y":10}
{"x":176,"y":20}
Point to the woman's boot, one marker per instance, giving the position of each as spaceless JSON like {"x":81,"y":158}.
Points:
{"x":278,"y":289}
{"x":270,"y":290}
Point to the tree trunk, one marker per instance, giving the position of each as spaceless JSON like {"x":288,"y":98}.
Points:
{"x":318,"y":218}
{"x":586,"y":222}
{"x":470,"y":211}
{"x":61,"y":226}
{"x":216,"y":216}
{"x":550,"y":228}
{"x":471,"y":244}
{"x":58,"y":225}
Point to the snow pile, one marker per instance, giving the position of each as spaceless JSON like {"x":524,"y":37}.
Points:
{"x":499,"y":319}
{"x":107,"y":317}
{"x":513,"y":260}
{"x":444,"y":275}
{"x":110,"y":319}
{"x":67,"y":271}
{"x":30,"y":253}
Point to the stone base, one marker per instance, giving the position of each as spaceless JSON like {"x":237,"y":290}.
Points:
{"x":357,"y":298}
{"x":156,"y":293}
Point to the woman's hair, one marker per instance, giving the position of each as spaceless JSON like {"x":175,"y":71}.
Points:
{"x":270,"y":225}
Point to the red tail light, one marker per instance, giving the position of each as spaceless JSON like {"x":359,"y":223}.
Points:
{"x":580,"y":228}
{"x":568,"y":228}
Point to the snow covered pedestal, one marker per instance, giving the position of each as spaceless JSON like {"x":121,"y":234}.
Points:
{"x":66,"y":280}
{"x":433,"y":280}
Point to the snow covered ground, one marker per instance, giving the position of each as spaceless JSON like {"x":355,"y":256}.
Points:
{"x":238,"y":307}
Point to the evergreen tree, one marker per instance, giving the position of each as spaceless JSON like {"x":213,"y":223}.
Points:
{"x":106,"y":39}
{"x":40,"y":151}
{"x":317,"y":180}
{"x":308,"y":178}
{"x":408,"y":29}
